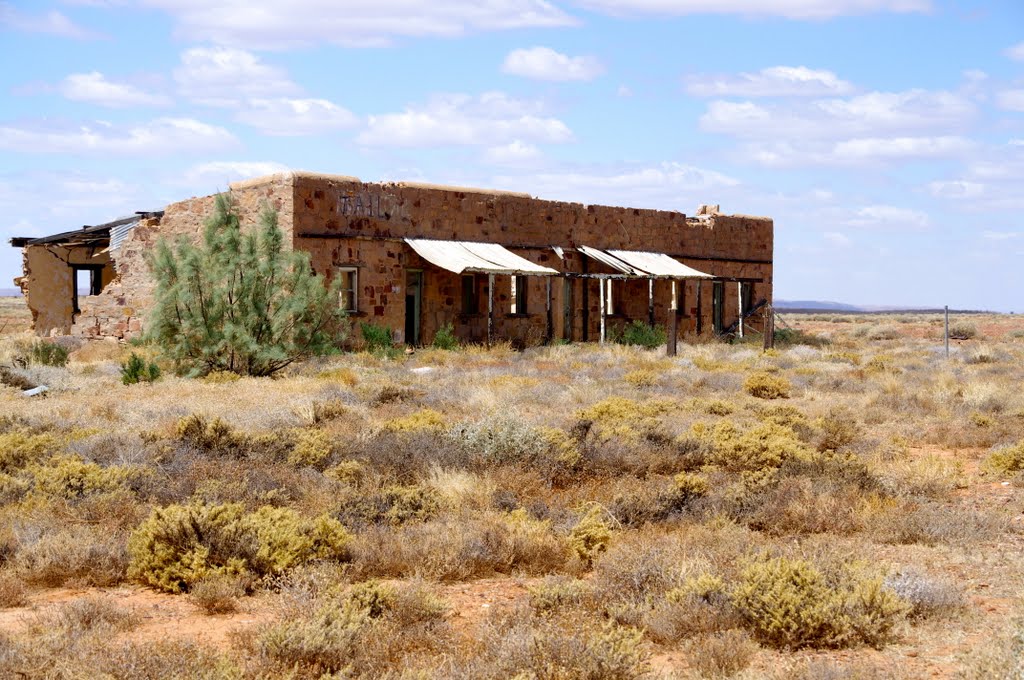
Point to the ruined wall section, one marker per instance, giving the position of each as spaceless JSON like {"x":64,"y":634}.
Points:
{"x":120,"y":310}
{"x":345,"y":222}
{"x":48,"y":284}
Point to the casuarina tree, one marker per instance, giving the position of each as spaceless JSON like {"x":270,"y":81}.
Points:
{"x":239,"y":302}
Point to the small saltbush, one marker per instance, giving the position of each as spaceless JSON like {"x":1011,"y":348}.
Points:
{"x":643,"y":335}
{"x":71,"y":477}
{"x":764,"y":447}
{"x":18,"y":448}
{"x":217,"y":594}
{"x":1007,"y":460}
{"x":393,"y":505}
{"x":962,"y":330}
{"x":209,"y":436}
{"x":590,"y":537}
{"x":789,"y":604}
{"x":48,"y":354}
{"x":556,"y":592}
{"x":767,"y":386}
{"x":136,"y":370}
{"x":179,"y":545}
{"x":312,"y":448}
{"x":322,"y":642}
{"x":445,"y":338}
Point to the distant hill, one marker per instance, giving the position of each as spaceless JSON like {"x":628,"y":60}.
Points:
{"x":817,"y":304}
{"x":10,"y":292}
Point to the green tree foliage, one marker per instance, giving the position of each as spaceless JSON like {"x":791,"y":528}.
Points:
{"x":240,"y":302}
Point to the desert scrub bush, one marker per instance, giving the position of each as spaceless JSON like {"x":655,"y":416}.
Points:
{"x":209,"y":436}
{"x":12,"y":591}
{"x":836,"y":430}
{"x":764,"y":447}
{"x":445,"y":338}
{"x":312,"y":449}
{"x":722,"y":655}
{"x":181,"y":544}
{"x":962,"y":330}
{"x":641,"y":334}
{"x":590,"y":536}
{"x":217,"y":594}
{"x":19,"y":447}
{"x":70,"y":477}
{"x":418,"y":421}
{"x":135,"y":370}
{"x":555,"y":593}
{"x":81,"y":555}
{"x":928,"y":597}
{"x":790,"y":337}
{"x":240,"y":302}
{"x":641,"y":377}
{"x":767,"y":386}
{"x":94,"y":612}
{"x":789,"y":604}
{"x":627,"y":419}
{"x":1006,"y":460}
{"x":48,"y":354}
{"x":392,"y":505}
{"x":378,"y":340}
{"x":319,"y":643}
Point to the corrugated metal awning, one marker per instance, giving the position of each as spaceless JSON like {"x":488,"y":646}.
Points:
{"x":644,"y":264}
{"x":119,"y":232}
{"x":468,"y":256}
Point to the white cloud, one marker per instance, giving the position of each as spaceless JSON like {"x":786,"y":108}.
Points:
{"x":1000,"y":235}
{"x":543,"y":63}
{"x":956,"y":189}
{"x":160,"y":136}
{"x":777,"y":81}
{"x":869,"y":114}
{"x":1011,"y":100}
{"x":273,"y":24}
{"x":894,"y":148}
{"x":513,"y":153}
{"x":220,"y":76}
{"x":52,"y":23}
{"x":294,"y":117}
{"x":94,"y":88}
{"x":890,"y":216}
{"x":624,"y":91}
{"x":791,"y":9}
{"x":491,"y":119}
{"x":838,"y":239}
{"x":1015,"y":52}
{"x":222,"y":173}
{"x":669,"y":185}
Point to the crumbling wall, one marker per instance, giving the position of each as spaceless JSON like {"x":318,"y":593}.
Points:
{"x":120,"y":310}
{"x":48,"y":284}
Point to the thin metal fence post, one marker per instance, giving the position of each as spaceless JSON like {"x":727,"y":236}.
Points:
{"x":947,"y":331}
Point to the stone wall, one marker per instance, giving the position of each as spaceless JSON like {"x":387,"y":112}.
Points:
{"x":121,"y":308}
{"x":48,"y":284}
{"x":342,"y":221}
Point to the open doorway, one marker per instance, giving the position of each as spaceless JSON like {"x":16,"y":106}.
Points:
{"x":413,"y":305}
{"x":86,"y":280}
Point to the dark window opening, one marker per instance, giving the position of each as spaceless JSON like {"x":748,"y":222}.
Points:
{"x":747,"y":297}
{"x":717,"y":306}
{"x":470,"y":297}
{"x":86,"y":280}
{"x":519,"y":295}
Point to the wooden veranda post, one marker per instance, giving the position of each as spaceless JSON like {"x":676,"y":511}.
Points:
{"x":700,"y":308}
{"x":739,"y":307}
{"x":550,"y":331}
{"x":604,"y":309}
{"x":490,"y":309}
{"x":673,"y":322}
{"x":650,"y":302}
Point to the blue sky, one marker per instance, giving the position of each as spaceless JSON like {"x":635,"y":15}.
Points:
{"x":886,"y":137}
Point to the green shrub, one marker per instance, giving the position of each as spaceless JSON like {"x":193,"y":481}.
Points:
{"x":445,"y":338}
{"x":789,"y":604}
{"x":789,"y":337}
{"x":209,"y":436}
{"x":48,"y":354}
{"x":764,"y":447}
{"x":240,"y":302}
{"x":642,"y":334}
{"x":71,"y":477}
{"x":393,"y":505}
{"x":312,"y":449}
{"x":179,"y":545}
{"x":767,"y":386}
{"x":377,"y":338}
{"x":136,"y":370}
{"x":18,"y":448}
{"x":373,"y":596}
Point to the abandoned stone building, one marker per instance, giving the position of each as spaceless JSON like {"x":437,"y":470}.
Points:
{"x":416,"y":257}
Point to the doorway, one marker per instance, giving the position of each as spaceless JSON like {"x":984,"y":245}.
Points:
{"x":413,"y":305}
{"x":567,"y":309}
{"x":717,"y":305}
